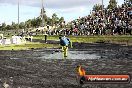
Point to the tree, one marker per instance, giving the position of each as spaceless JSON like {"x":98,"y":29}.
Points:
{"x":14,"y":25}
{"x":55,"y":19}
{"x":97,"y":7}
{"x":22,"y":25}
{"x":112,"y":4}
{"x":49,"y":21}
{"x":28,"y":23}
{"x":38,"y":22}
{"x":33,"y":22}
{"x":62,"y":22}
{"x":3,"y":27}
{"x":61,"y":19}
{"x":8,"y":27}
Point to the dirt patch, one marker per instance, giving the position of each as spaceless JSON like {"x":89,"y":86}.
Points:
{"x":24,"y":69}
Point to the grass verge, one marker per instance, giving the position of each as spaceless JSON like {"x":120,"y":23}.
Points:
{"x":84,"y":39}
{"x":91,"y":39}
{"x":28,"y":46}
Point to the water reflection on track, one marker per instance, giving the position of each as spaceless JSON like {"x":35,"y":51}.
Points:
{"x":71,"y":55}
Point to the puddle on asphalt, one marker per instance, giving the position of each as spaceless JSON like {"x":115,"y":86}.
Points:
{"x":71,"y":55}
{"x":14,"y":58}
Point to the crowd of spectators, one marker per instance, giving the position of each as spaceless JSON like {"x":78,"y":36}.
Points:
{"x":116,"y":21}
{"x":107,"y":22}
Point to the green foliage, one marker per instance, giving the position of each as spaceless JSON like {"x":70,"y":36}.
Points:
{"x":8,"y":27}
{"x":55,"y":19}
{"x":28,"y":23}
{"x":3,"y":27}
{"x":49,"y":21}
{"x":34,"y":23}
{"x":61,"y":19}
{"x":62,"y":22}
{"x":97,"y":7}
{"x":22,"y":25}
{"x":38,"y":22}
{"x":112,"y":4}
{"x":14,"y":25}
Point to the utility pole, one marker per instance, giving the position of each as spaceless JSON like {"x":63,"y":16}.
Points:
{"x":43,"y":22}
{"x":102,"y":6}
{"x":42,"y":14}
{"x":18,"y":14}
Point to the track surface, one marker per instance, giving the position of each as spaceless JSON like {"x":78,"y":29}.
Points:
{"x":24,"y":69}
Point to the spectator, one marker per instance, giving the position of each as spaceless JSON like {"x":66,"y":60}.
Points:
{"x":115,"y":21}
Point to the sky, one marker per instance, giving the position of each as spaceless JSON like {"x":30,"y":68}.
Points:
{"x":29,"y":9}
